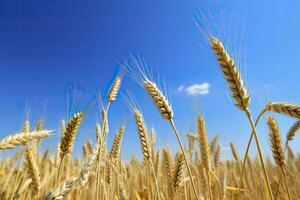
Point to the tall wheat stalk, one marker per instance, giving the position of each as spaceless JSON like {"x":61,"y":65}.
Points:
{"x":239,"y":94}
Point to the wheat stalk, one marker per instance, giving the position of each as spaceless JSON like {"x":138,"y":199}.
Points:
{"x":239,"y":94}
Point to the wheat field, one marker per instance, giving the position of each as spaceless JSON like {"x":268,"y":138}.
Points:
{"x":195,"y":171}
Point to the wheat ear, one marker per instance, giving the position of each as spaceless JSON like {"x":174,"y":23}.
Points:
{"x":69,"y":135}
{"x":168,"y":168}
{"x":217,"y":156}
{"x":113,"y":92}
{"x":292,"y":132}
{"x":231,"y":73}
{"x":277,"y":148}
{"x":22,"y":138}
{"x":116,"y":147}
{"x":142,"y":131}
{"x":178,"y":171}
{"x":235,"y":155}
{"x":289,"y":109}
{"x":33,"y":169}
{"x":159,"y":99}
{"x":204,"y":150}
{"x":67,"y":141}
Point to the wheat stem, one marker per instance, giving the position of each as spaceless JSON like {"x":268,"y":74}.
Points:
{"x":247,"y":111}
{"x":185,"y":158}
{"x":247,"y":151}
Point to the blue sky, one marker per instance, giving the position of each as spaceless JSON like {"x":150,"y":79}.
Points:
{"x":46,"y":46}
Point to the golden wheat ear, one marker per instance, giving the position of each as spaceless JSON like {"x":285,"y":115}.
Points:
{"x":289,"y":109}
{"x":115,"y":87}
{"x":292,"y":132}
{"x":69,"y":134}
{"x":140,"y":73}
{"x":143,"y":135}
{"x":33,"y":170}
{"x":203,"y":141}
{"x":116,"y":147}
{"x":178,"y":171}
{"x":276,"y":142}
{"x":231,"y":74}
{"x":23,"y":138}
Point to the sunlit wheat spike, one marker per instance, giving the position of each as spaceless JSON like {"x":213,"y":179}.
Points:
{"x":289,"y":109}
{"x":116,"y":147}
{"x":234,"y":151}
{"x":276,"y":142}
{"x":108,"y":172}
{"x":142,"y":131}
{"x":71,"y":130}
{"x":191,"y":141}
{"x":157,"y":162}
{"x":23,"y":138}
{"x":159,"y":99}
{"x":293,"y":130}
{"x":113,"y":92}
{"x":213,"y":144}
{"x":87,"y":167}
{"x":231,"y":73}
{"x":235,"y":155}
{"x":59,"y":192}
{"x":178,"y":171}
{"x":168,"y":166}
{"x":33,"y":169}
{"x":217,"y":156}
{"x":203,"y":140}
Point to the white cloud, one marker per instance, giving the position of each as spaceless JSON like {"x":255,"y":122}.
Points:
{"x":195,"y":89}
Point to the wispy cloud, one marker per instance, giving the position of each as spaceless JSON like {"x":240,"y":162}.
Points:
{"x":195,"y":89}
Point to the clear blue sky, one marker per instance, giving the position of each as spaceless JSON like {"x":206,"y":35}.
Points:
{"x":47,"y":45}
